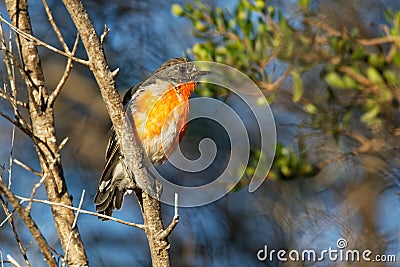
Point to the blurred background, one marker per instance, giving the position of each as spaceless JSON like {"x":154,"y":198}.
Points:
{"x":336,"y":172}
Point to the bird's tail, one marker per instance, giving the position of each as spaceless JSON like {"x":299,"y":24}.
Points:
{"x":113,"y":186}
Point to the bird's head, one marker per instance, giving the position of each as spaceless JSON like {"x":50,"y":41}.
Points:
{"x":180,"y":71}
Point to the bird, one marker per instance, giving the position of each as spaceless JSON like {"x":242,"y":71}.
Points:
{"x":159,"y":107}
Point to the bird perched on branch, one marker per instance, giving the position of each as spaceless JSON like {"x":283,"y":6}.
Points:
{"x":159,"y":108}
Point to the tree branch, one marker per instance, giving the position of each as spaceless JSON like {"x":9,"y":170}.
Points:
{"x":10,"y":220}
{"x":43,"y":129}
{"x":105,"y":80}
{"x":23,"y":199}
{"x":38,"y":42}
{"x":30,"y":224}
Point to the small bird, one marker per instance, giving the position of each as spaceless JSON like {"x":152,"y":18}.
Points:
{"x":160,"y":109}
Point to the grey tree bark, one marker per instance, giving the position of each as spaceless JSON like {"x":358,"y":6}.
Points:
{"x":44,"y":136}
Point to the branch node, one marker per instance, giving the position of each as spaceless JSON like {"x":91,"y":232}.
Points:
{"x":104,"y":34}
{"x":114,"y":73}
{"x":164,"y":234}
{"x":62,"y":144}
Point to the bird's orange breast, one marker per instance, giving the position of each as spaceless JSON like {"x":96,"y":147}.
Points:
{"x":161,"y":121}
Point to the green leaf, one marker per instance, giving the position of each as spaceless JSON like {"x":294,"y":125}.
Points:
{"x":396,"y":58}
{"x":374,"y":76}
{"x":201,"y":27}
{"x":310,"y":108}
{"x":370,"y":116}
{"x":297,"y":86}
{"x":177,"y":10}
{"x":304,"y":4}
{"x":260,"y":4}
{"x":377,"y":61}
{"x":391,"y":77}
{"x":349,"y":82}
{"x":359,"y":53}
{"x":334,"y":80}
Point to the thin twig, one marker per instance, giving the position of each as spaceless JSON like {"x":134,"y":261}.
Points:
{"x":140,"y":226}
{"x":357,"y":76}
{"x":26,"y":167}
{"x":73,"y":227}
{"x":16,"y":236}
{"x":30,"y":223}
{"x":13,"y":261}
{"x":20,"y":123}
{"x":35,"y":187}
{"x":104,"y":34}
{"x":17,"y":123}
{"x":66,"y":73}
{"x":9,"y":63}
{"x":62,"y":144}
{"x":14,"y":104}
{"x":41,"y":43}
{"x":176,"y":205}
{"x":275,"y":85}
{"x":11,"y":157}
{"x":164,"y":234}
{"x":380,"y":40}
{"x":19,"y":103}
{"x":320,"y":24}
{"x":114,"y":72}
{"x":54,"y":26}
{"x":6,"y":219}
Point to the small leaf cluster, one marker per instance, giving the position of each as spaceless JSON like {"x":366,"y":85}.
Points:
{"x":247,"y":37}
{"x":290,"y":164}
{"x":362,"y":75}
{"x":368,"y":70}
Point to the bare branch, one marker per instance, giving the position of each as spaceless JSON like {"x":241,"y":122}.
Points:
{"x":114,"y":72}
{"x":9,"y":66}
{"x":30,"y":224}
{"x":104,"y":34}
{"x":380,"y":40}
{"x":5,"y":96}
{"x":275,"y":85}
{"x":105,"y":79}
{"x":41,"y":43}
{"x":320,"y":24}
{"x":10,"y":61}
{"x":43,"y":128}
{"x":35,"y":187}
{"x":29,"y":169}
{"x":55,"y":27}
{"x":16,"y":236}
{"x":13,"y":261}
{"x":65,"y":76}
{"x":17,"y":123}
{"x":140,"y":226}
{"x":164,"y":234}
{"x":14,"y":104}
{"x":62,"y":144}
{"x":73,"y":226}
{"x":357,"y":76}
{"x":176,"y":205}
{"x":11,"y":157}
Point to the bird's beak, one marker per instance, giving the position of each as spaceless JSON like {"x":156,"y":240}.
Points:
{"x":201,"y":73}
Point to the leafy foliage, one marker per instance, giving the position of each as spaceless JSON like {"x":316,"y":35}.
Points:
{"x":361,"y":74}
